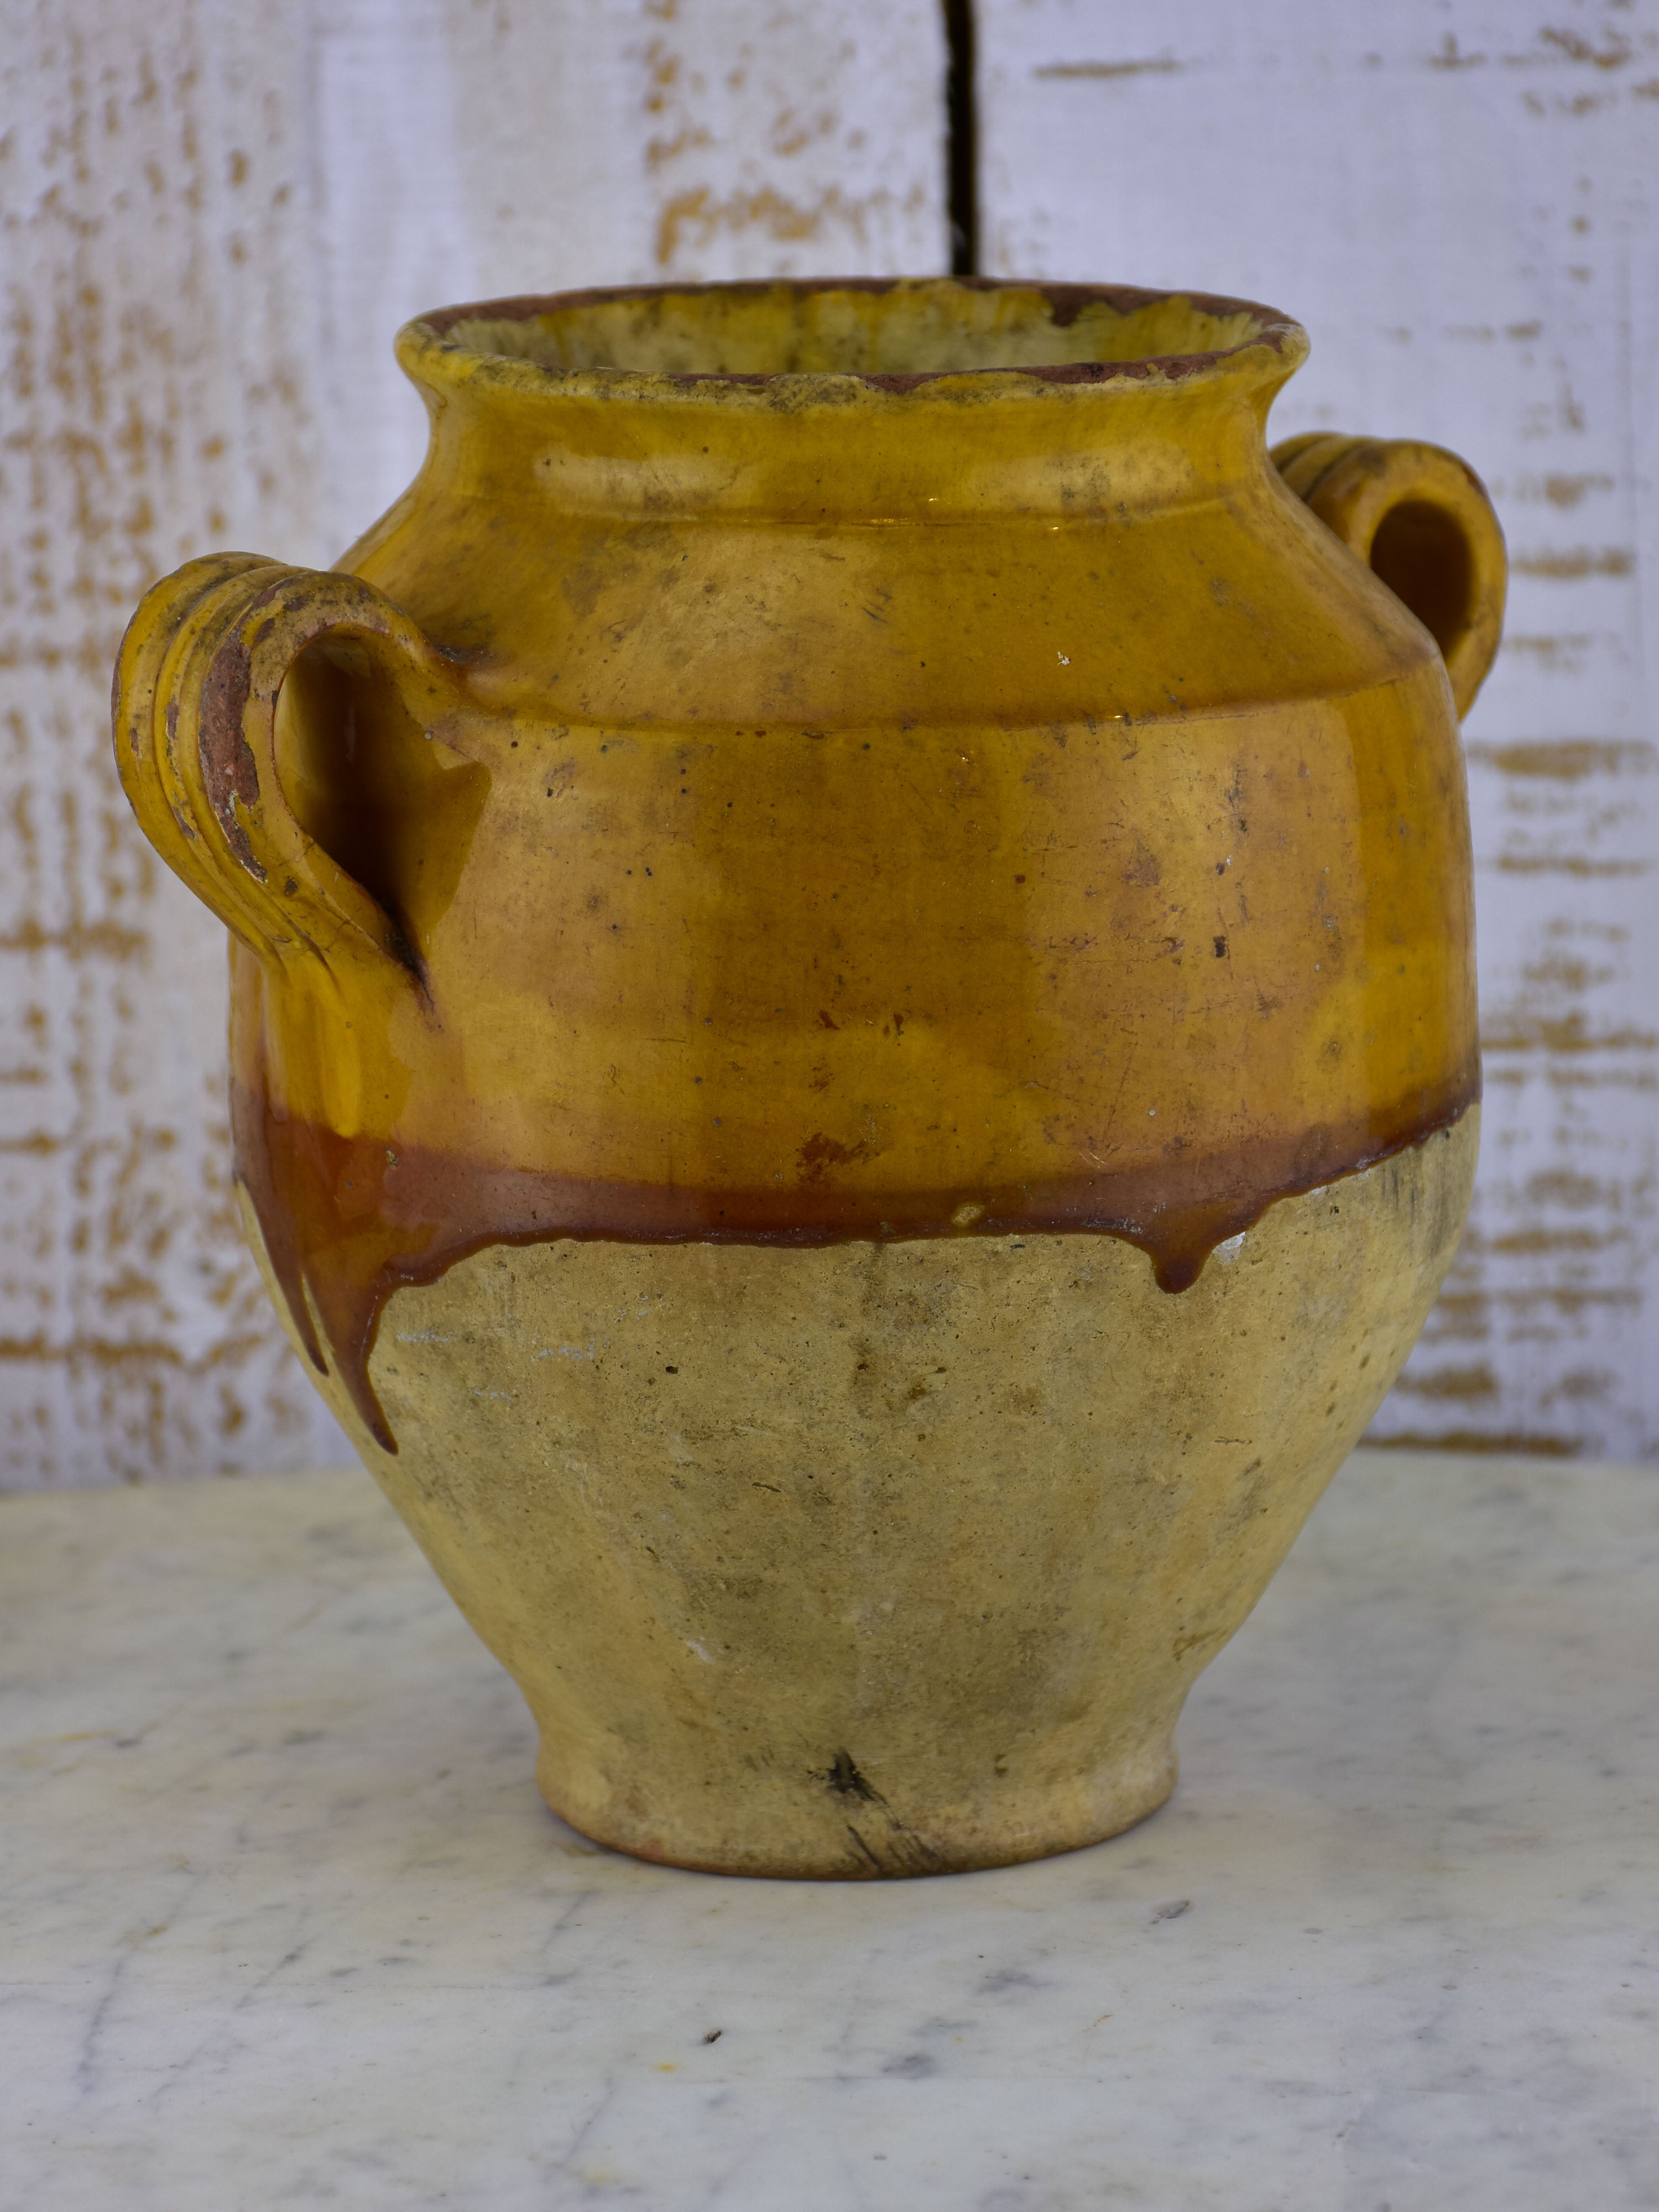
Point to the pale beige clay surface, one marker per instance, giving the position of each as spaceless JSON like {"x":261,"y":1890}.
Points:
{"x":888,"y":1558}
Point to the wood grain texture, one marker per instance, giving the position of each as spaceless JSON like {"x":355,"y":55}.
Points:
{"x":156,"y":399}
{"x":465,"y":149}
{"x":1457,"y":200}
{"x":215,"y":214}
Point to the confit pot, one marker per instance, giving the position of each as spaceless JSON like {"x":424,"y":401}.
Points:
{"x":853,"y":1023}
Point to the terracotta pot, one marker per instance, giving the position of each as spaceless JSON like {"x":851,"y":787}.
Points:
{"x":854,"y":1029}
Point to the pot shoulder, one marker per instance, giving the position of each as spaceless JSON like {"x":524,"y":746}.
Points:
{"x":1239,"y":599}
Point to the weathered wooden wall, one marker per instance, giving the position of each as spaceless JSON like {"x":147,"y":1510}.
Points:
{"x":1458,"y":200}
{"x":215,"y":215}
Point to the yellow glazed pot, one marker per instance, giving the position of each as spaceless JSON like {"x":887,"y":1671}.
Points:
{"x":853,"y":1021}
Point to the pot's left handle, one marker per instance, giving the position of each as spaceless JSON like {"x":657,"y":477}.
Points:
{"x":195,"y":721}
{"x":1420,"y":518}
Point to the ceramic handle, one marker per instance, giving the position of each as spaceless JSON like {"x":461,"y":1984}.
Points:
{"x":1421,"y":520}
{"x":195,"y":716}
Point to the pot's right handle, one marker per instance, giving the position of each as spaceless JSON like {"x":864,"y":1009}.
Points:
{"x":1421,"y":520}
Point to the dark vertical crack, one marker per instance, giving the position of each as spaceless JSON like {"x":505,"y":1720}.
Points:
{"x":962,"y":141}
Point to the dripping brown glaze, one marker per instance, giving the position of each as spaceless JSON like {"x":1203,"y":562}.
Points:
{"x":349,"y":1220}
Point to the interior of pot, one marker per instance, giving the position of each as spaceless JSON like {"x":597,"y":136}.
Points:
{"x":926,"y":327}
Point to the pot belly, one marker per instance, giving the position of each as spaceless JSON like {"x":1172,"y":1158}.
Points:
{"x":888,"y":1558}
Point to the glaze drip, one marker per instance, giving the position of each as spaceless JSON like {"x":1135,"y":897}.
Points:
{"x":349,"y":1220}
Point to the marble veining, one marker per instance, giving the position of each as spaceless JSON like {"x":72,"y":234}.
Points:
{"x":283,"y":1922}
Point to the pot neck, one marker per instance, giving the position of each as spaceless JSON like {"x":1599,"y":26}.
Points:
{"x":820,"y":460}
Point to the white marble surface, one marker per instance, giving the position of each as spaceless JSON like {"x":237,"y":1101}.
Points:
{"x":283,"y":1922}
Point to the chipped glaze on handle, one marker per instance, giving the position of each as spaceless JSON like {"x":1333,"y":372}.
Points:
{"x":197,"y":685}
{"x":1421,"y":520}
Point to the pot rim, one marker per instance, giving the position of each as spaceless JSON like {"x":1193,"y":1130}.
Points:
{"x":428,"y":349}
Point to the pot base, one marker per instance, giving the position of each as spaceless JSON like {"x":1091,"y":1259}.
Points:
{"x":859,"y":1836}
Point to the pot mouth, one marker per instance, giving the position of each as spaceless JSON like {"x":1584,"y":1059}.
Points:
{"x":892,"y":334}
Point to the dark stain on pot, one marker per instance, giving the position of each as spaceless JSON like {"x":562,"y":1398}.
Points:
{"x":901,"y":1851}
{"x":865,"y":1853}
{"x":821,"y":1152}
{"x":846,"y":1781}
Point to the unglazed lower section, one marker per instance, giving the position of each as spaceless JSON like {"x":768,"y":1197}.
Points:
{"x":887,"y":1558}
